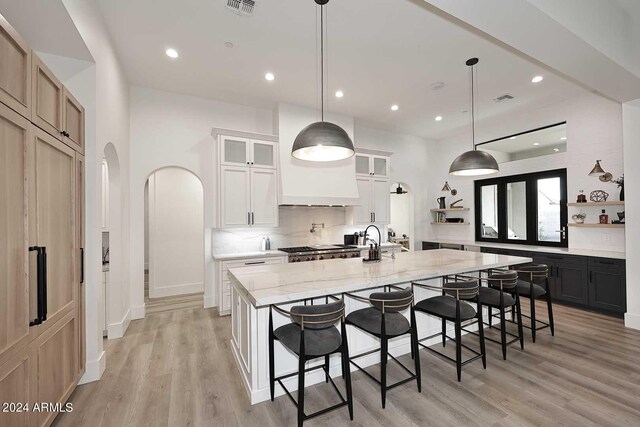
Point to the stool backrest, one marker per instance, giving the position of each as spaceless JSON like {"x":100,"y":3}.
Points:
{"x":392,"y":302}
{"x":533,"y":272}
{"x":463,"y":289}
{"x":317,"y":316}
{"x":508,"y":279}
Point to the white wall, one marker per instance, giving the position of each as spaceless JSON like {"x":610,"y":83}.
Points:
{"x":631,"y":126}
{"x":594,"y":131}
{"x":169,"y":129}
{"x":176,"y":233}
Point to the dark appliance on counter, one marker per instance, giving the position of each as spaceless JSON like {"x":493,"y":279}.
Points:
{"x":351,"y":239}
{"x":319,"y":253}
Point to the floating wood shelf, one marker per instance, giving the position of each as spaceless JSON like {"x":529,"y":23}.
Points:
{"x":598,"y":225}
{"x":597,"y":204}
{"x":450,"y":223}
{"x":450,"y":210}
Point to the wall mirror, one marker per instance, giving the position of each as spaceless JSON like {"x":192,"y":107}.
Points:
{"x":543,"y":141}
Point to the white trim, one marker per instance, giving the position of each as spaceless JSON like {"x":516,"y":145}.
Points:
{"x":169,"y":291}
{"x":210,"y":301}
{"x":94,"y":369}
{"x":373,"y":152}
{"x":117,"y":330}
{"x":632,"y":321}
{"x":215,"y":132}
{"x":138,"y":312}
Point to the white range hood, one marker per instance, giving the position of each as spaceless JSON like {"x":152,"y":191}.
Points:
{"x":313,"y":183}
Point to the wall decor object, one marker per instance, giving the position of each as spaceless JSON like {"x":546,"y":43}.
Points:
{"x":620,"y":219}
{"x":597,"y":169}
{"x":579,"y":218}
{"x":604,"y":218}
{"x":582,"y":198}
{"x":598,"y":196}
{"x":606,"y":177}
{"x":448,"y":188}
{"x":453,"y":205}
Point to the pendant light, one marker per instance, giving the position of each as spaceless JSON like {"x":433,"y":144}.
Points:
{"x":322,"y":141}
{"x":597,"y":169}
{"x":473,"y":162}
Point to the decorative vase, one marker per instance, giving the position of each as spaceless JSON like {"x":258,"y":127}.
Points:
{"x":622,"y":193}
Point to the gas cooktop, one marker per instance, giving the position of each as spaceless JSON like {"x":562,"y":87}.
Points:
{"x":321,"y":248}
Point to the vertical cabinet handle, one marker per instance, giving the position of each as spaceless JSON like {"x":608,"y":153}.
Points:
{"x":82,"y":265}
{"x":374,"y":217}
{"x":248,"y":218}
{"x":41,"y":290}
{"x":252,"y":219}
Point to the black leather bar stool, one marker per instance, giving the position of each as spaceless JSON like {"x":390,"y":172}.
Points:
{"x":384,"y":321}
{"x":312,"y":335}
{"x":452,"y":306}
{"x":501,"y":293}
{"x":533,"y":283}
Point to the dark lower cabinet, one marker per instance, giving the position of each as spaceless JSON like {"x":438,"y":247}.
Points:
{"x":598,"y":283}
{"x":607,"y":284}
{"x":427,"y":246}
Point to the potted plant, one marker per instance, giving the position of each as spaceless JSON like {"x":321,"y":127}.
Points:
{"x":620,"y":182}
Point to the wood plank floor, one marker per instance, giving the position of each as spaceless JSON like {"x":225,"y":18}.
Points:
{"x":175,"y":369}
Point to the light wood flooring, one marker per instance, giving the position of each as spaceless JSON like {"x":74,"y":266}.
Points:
{"x":157,"y":305}
{"x":175,"y":369}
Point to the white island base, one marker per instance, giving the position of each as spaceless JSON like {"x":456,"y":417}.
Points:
{"x":254,"y":288}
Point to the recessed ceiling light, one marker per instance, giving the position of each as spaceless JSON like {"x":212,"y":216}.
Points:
{"x":339,"y":94}
{"x":513,"y":137}
{"x":394,"y":107}
{"x":437,"y":85}
{"x":536,"y":143}
{"x":556,"y":149}
{"x":269,"y":76}
{"x":564,"y":138}
{"x":537,"y":79}
{"x":171,"y":53}
{"x":228,"y":44}
{"x":438,"y":118}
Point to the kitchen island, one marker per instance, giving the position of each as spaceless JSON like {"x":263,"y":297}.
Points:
{"x":255,"y":288}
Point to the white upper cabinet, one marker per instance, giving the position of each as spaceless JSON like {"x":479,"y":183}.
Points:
{"x":236,"y":151}
{"x":372,"y":177}
{"x":372,"y":165}
{"x":248,"y":181}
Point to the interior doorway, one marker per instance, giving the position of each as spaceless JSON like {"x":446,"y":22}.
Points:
{"x":401,"y":218}
{"x":174,"y":240}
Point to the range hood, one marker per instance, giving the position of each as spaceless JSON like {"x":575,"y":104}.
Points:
{"x":313,"y":183}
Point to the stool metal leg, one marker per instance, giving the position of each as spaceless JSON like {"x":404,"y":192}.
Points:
{"x":414,"y":347}
{"x":549,"y":308}
{"x":346,"y":371}
{"x":481,"y":335}
{"x":520,"y":331}
{"x":444,"y":332}
{"x":301,"y":363}
{"x":272,"y":370}
{"x":503,"y":327}
{"x":533,"y":316}
{"x":326,"y":367}
{"x":458,"y":342}
{"x":383,"y":370}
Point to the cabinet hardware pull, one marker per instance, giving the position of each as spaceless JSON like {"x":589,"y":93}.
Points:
{"x":374,"y":217}
{"x":254,"y":262}
{"x":41,"y":284}
{"x":248,"y":218}
{"x":253,"y":220}
{"x":82,"y":265}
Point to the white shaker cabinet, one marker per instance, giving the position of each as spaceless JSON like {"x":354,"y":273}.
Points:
{"x":248,"y":180}
{"x":372,"y":177}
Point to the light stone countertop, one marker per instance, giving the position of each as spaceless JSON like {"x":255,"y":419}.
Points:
{"x":254,"y":254}
{"x":279,"y":283}
{"x":545,"y":249}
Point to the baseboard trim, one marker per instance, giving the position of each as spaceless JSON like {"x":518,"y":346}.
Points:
{"x":94,"y":369}
{"x":187,"y":288}
{"x":117,"y":330}
{"x":209,"y":301}
{"x":632,"y":321}
{"x":138,"y":312}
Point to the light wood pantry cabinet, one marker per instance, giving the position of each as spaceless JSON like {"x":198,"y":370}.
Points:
{"x":15,"y":70}
{"x":248,"y":180}
{"x":41,"y":234}
{"x":47,"y":94}
{"x":372,"y":178}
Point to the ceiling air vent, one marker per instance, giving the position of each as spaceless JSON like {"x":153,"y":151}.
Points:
{"x":505,"y":97}
{"x":241,"y":7}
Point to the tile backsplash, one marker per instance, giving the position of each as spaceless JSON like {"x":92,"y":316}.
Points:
{"x":294,"y":230}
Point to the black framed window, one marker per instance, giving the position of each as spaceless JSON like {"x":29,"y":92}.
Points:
{"x":529,"y":209}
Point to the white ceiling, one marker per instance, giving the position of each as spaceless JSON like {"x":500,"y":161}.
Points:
{"x":381,"y":52}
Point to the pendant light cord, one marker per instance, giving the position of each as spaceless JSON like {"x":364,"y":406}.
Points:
{"x":473,"y":111}
{"x":322,"y":63}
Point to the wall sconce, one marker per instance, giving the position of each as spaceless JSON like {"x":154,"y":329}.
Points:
{"x":448,"y":188}
{"x":597,"y":170}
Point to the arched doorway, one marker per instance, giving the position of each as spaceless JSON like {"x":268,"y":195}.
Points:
{"x":401,"y":215}
{"x":174,"y":240}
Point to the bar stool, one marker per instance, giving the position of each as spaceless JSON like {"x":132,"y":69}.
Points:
{"x":501,"y":293}
{"x":452,"y":306}
{"x":533,"y":283}
{"x":384,"y":321}
{"x":312,"y":335}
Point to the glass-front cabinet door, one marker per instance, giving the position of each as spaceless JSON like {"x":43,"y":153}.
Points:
{"x":263,"y":154}
{"x":235,"y":151}
{"x":380,"y":166}
{"x":362,"y":164}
